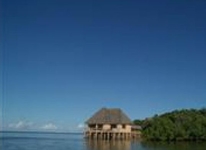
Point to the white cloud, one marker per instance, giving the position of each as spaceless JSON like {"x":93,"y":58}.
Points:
{"x":49,"y":126}
{"x":80,"y":126}
{"x":20,"y":125}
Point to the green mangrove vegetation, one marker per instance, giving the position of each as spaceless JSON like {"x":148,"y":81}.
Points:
{"x":186,"y":124}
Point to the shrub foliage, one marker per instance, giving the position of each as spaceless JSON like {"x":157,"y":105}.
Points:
{"x":175,"y":126}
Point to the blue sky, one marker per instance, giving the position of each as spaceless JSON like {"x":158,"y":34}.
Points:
{"x":64,"y":60}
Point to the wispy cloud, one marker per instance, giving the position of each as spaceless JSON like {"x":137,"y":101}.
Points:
{"x":20,"y":125}
{"x":23,"y":125}
{"x":80,"y":126}
{"x":49,"y":126}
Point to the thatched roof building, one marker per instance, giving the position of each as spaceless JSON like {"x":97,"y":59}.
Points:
{"x":110,"y":123}
{"x":109,"y":116}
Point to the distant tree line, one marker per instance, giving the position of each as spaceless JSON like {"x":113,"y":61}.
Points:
{"x":175,"y":126}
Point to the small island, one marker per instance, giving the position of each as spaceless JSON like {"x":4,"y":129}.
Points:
{"x":178,"y":125}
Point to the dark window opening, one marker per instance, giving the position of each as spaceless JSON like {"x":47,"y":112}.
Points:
{"x":113,"y":126}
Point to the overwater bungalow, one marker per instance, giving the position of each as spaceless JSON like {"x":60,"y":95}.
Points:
{"x":110,"y":124}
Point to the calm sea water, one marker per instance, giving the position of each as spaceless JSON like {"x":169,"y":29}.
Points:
{"x":52,"y":141}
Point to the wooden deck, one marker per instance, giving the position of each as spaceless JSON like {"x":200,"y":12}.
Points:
{"x":111,"y":134}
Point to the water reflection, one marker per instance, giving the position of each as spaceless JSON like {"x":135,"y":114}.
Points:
{"x":108,"y":145}
{"x":138,"y":145}
{"x":174,"y":145}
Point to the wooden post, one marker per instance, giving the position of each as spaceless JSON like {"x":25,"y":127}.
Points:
{"x":114,"y":136}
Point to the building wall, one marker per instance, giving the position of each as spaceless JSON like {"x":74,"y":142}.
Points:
{"x":128,"y":128}
{"x":123,"y":128}
{"x":106,"y":127}
{"x":117,"y":128}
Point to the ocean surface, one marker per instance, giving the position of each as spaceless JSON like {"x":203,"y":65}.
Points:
{"x":62,"y":141}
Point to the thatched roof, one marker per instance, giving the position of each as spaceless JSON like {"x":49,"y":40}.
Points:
{"x":109,"y":116}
